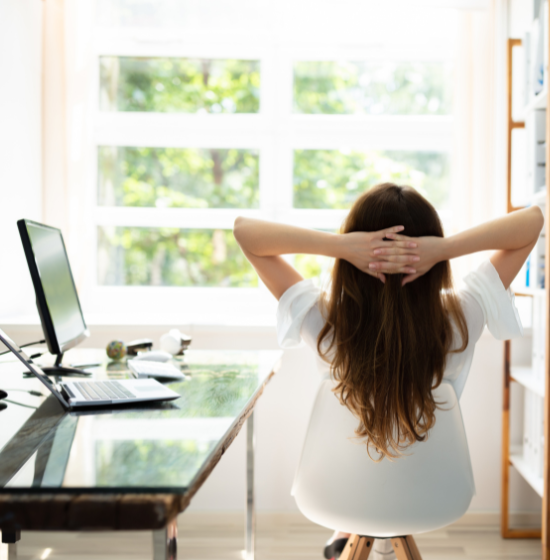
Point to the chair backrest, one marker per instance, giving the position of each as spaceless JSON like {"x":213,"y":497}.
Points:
{"x":338,"y":486}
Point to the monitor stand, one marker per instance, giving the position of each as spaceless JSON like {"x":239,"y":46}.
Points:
{"x":57,"y":369}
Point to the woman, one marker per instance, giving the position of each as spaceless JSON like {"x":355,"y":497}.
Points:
{"x":392,"y":326}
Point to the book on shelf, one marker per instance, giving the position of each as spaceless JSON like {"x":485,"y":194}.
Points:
{"x":537,"y":71}
{"x":527,"y":443}
{"x":539,"y":329}
{"x":535,"y":126}
{"x":536,"y":59}
{"x":544,"y":30}
{"x":539,"y":432}
{"x":533,"y":433}
{"x":535,"y":266}
{"x":526,"y":43}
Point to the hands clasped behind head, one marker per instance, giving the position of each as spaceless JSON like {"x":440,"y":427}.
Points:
{"x":382,"y":252}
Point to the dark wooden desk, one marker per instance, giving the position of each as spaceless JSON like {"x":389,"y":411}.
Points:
{"x":124,"y":468}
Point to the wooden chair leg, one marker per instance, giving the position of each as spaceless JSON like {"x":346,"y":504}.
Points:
{"x":349,"y":549}
{"x":413,"y":548}
{"x":364,"y":548}
{"x":357,"y":548}
{"x":405,"y":548}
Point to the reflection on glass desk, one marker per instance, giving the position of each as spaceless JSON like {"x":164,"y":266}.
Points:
{"x":156,"y":447}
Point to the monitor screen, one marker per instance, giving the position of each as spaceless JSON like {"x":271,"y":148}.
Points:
{"x":57,"y":282}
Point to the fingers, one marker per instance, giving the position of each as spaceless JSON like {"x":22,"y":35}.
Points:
{"x":396,"y":247}
{"x":391,"y":231}
{"x":400,"y":259}
{"x":409,"y":278}
{"x":381,"y":276}
{"x":391,"y":267}
{"x":397,"y":237}
{"x":396,"y":255}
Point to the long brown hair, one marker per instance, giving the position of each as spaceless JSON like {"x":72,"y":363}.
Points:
{"x":387,"y":344}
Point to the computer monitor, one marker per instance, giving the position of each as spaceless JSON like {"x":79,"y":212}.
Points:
{"x":56,"y":298}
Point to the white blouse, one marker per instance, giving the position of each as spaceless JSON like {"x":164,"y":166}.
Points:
{"x":484,"y":302}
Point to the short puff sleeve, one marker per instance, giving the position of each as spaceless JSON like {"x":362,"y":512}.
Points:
{"x":497,"y":303}
{"x":293,"y":306}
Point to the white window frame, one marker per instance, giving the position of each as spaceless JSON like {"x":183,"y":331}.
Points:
{"x":275,"y":131}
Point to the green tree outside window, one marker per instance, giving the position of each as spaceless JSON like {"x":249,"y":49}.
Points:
{"x":333,"y":179}
{"x":186,"y":85}
{"x":139,"y":256}
{"x":178,"y":177}
{"x":373,"y":88}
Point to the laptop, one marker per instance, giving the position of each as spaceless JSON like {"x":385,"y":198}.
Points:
{"x":87,"y":392}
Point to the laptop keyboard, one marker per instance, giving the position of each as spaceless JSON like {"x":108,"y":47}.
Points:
{"x":103,"y":391}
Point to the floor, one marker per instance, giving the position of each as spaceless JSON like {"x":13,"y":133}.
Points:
{"x":279,"y":537}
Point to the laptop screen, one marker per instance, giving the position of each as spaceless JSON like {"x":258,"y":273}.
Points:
{"x":32,"y":367}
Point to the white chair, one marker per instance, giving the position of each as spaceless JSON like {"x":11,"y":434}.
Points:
{"x":338,"y":486}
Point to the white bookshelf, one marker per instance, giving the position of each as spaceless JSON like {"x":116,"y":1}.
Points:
{"x":530,"y":292}
{"x":537,"y":102}
{"x":531,"y":459}
{"x":518,"y":461}
{"x":525,"y":376}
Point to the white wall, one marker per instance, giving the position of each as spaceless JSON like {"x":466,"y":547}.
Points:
{"x":283,"y":410}
{"x":20,"y":140}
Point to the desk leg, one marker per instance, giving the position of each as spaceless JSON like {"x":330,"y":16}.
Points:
{"x":250,"y":510}
{"x":8,"y":551}
{"x":165,"y":541}
{"x":10,"y":539}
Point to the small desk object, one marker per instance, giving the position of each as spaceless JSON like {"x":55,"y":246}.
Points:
{"x":125,"y":467}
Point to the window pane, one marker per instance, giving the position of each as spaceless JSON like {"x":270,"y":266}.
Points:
{"x":313,"y":266}
{"x":185,"y":85}
{"x":398,"y":88}
{"x":333,"y":179}
{"x":132,"y":256}
{"x":178,"y":177}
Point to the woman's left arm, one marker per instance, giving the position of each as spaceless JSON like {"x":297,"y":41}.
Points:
{"x":263,"y":242}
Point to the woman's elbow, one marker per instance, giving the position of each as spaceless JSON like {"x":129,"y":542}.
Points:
{"x":538,"y":218}
{"x":238,"y":229}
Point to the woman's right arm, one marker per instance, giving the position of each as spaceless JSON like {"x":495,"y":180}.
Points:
{"x":512,"y":237}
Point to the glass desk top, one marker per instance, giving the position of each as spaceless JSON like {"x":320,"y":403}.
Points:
{"x":145,"y":448}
